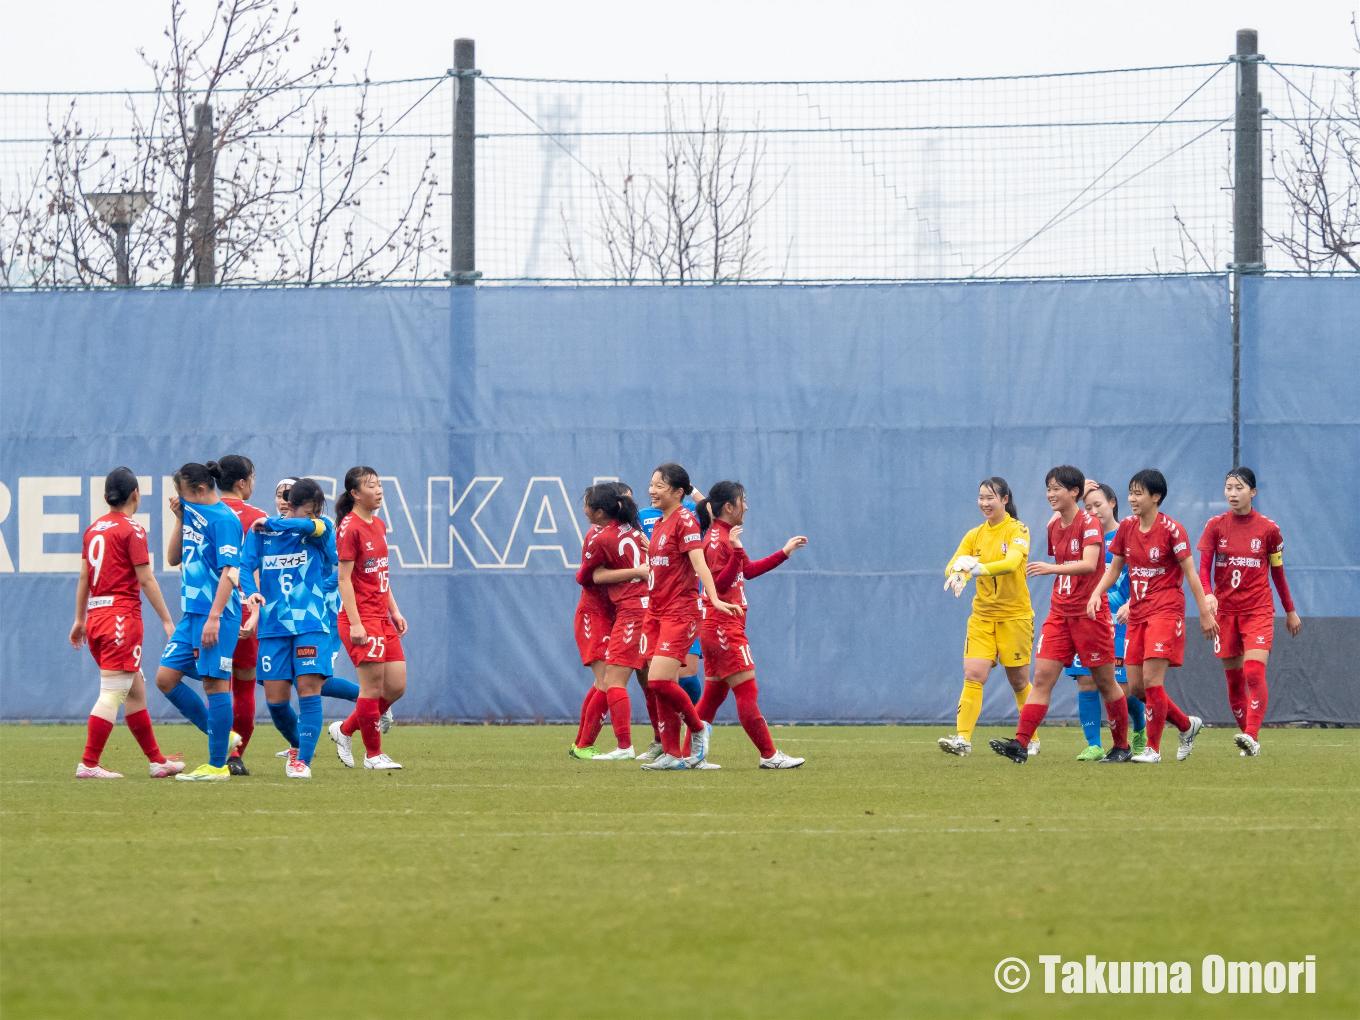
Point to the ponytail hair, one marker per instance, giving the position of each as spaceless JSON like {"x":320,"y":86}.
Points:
{"x":1002,"y":491}
{"x":235,"y":468}
{"x":721,"y":496}
{"x":344,"y":501}
{"x":306,"y":492}
{"x":612,"y":499}
{"x":195,"y":476}
{"x":119,"y":486}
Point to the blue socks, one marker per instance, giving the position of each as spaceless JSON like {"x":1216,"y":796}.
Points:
{"x":693,"y":686}
{"x":1088,"y":708}
{"x":339,"y":687}
{"x":1137,"y":716}
{"x":191,"y":706}
{"x":219,"y":728}
{"x":285,"y":721}
{"x":309,"y":726}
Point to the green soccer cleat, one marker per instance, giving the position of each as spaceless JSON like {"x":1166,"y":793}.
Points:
{"x":1139,"y":741}
{"x":1093,"y":753}
{"x":205,"y":774}
{"x":584,"y":753}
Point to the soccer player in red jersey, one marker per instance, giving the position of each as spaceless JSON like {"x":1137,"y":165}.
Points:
{"x":370,"y":623}
{"x":621,"y":564}
{"x":1076,"y":542}
{"x":1157,"y":551}
{"x":236,"y":485}
{"x":677,"y":568}
{"x":594,"y":618}
{"x":1236,"y":551}
{"x":115,"y":570}
{"x":728,"y":664}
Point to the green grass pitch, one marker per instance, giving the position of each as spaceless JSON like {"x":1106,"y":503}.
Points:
{"x":495,"y":877}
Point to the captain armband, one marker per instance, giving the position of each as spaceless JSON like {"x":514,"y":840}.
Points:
{"x":318,"y":529}
{"x":1277,"y":559}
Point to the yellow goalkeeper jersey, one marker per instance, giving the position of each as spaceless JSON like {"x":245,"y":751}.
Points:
{"x":1003,"y":551}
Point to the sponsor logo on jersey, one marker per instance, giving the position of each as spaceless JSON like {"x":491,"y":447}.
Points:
{"x":1242,"y":561}
{"x":1019,"y":541}
{"x":661,"y":540}
{"x":1223,"y":543}
{"x":1093,"y":531}
{"x":692,"y":538}
{"x":1075,"y":545}
{"x":285,"y":561}
{"x":105,"y":525}
{"x":228,"y":550}
{"x":1154,"y":553}
{"x":305,"y":652}
{"x":1255,"y":545}
{"x":1147,"y":571}
{"x":375,"y":563}
{"x":99,"y":602}
{"x":661,"y":561}
{"x":1180,"y":547}
{"x":192,"y":537}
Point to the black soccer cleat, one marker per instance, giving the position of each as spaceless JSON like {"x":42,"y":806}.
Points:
{"x":236,"y":766}
{"x":1117,"y":756}
{"x":1012,"y":749}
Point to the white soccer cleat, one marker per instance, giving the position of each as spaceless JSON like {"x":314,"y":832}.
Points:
{"x":699,"y":743}
{"x":297,"y":769}
{"x":955,"y":745}
{"x":233,"y":742}
{"x":665,"y":763}
{"x":84,"y":771}
{"x":1188,"y":738}
{"x":343,"y":746}
{"x":706,"y":764}
{"x":385,"y":721}
{"x":166,"y":769}
{"x":1033,"y":748}
{"x":780,"y":760}
{"x":1251,"y":748}
{"x":286,"y":752}
{"x":380,"y":762}
{"x":618,"y":754}
{"x":1147,"y":756}
{"x":653,"y":752}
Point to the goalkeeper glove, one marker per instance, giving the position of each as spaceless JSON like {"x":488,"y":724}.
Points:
{"x":963,"y":564}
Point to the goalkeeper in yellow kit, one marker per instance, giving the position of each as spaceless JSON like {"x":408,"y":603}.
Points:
{"x":1001,"y":629}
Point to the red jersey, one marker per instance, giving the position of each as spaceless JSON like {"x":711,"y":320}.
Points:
{"x":1243,"y":550}
{"x":673,"y":586}
{"x":244,"y":512}
{"x":1066,"y":545}
{"x":1153,"y":561}
{"x":731,"y":568}
{"x":594,"y":597}
{"x":366,"y":544}
{"x":622,"y":548}
{"x":113,"y":547}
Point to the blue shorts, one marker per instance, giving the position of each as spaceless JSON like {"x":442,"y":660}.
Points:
{"x":295,"y":655}
{"x":185,"y":653}
{"x":695,"y":649}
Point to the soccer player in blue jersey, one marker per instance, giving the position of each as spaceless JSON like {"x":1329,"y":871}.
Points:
{"x":294,"y":555}
{"x":208,"y":551}
{"x":688,"y":680}
{"x":1101,"y":501}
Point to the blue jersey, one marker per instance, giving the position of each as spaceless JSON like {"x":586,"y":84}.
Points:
{"x":1116,"y":596}
{"x":649,"y":515}
{"x":212,"y":544}
{"x":295,"y":556}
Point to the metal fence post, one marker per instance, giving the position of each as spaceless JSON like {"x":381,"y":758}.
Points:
{"x":1248,"y":196}
{"x":205,"y":225}
{"x":463,"y":242}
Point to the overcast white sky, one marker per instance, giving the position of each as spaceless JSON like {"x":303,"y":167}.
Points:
{"x":91,"y":44}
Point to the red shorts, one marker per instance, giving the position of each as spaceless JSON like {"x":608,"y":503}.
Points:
{"x":625,"y":639}
{"x":1066,"y":636}
{"x":726,"y":650}
{"x":592,"y":636}
{"x":670,"y":637}
{"x":246,"y":654}
{"x":1239,"y":633}
{"x":115,"y":639}
{"x":384,"y":645}
{"x":1159,"y":637}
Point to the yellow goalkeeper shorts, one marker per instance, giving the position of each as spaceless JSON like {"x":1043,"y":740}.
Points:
{"x":1005,"y":641}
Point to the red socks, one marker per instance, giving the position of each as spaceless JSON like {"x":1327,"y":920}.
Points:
{"x":672,"y":695}
{"x":1255,"y":673}
{"x":243,"y":712}
{"x":1237,"y":695}
{"x":97,"y":732}
{"x":592,"y":717}
{"x":650,"y":698}
{"x":383,"y":705}
{"x":620,"y":715}
{"x":364,"y":718}
{"x":748,"y":711}
{"x":1030,"y":718}
{"x":1156,"y":701}
{"x":140,"y":725}
{"x":668,"y":727}
{"x":1174,"y":715}
{"x":1118,"y":711}
{"x":715,"y":693}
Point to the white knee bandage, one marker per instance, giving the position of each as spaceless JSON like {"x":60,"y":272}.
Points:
{"x":115,"y":681}
{"x":112,"y":699}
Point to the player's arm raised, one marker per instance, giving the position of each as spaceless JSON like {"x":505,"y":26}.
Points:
{"x":696,"y":557}
{"x":174,"y":549}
